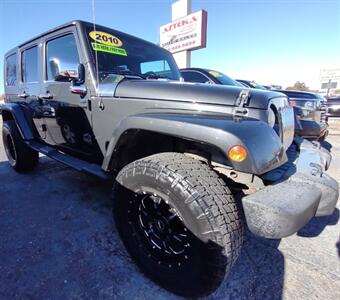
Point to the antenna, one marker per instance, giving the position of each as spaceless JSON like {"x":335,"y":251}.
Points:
{"x":96,"y":55}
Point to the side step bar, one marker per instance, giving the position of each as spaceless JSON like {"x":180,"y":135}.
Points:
{"x":68,"y":160}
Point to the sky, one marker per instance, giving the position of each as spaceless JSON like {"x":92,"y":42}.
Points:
{"x":269,"y":41}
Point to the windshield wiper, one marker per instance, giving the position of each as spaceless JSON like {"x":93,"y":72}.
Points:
{"x":154,"y":76}
{"x":128,"y":72}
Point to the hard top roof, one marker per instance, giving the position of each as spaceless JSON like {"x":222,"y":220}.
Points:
{"x":78,"y":23}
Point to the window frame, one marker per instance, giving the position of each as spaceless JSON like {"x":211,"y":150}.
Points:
{"x":50,"y":38}
{"x":22,"y":50}
{"x":16,"y":69}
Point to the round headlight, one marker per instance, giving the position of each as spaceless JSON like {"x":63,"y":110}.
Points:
{"x":271,"y":117}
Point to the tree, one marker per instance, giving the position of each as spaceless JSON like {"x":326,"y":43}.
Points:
{"x":298,"y":86}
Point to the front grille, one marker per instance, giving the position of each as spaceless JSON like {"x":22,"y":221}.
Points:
{"x":286,"y":120}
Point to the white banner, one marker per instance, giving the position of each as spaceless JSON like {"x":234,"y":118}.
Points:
{"x":330,"y":74}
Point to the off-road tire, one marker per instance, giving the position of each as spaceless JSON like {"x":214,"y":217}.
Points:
{"x":203,"y":203}
{"x":20,"y":156}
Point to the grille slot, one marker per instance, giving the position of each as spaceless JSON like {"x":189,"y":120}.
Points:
{"x":324,"y":111}
{"x":286,"y":120}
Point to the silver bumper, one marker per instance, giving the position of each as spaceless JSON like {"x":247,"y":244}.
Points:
{"x":312,"y":152}
{"x":283,"y":208}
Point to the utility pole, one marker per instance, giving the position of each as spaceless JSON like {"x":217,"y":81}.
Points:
{"x":329,"y":87}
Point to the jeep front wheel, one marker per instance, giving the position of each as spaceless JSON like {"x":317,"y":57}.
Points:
{"x":20,"y":156}
{"x":179,"y":221}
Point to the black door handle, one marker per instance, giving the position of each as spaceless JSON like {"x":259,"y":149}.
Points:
{"x":46,"y":95}
{"x":23,"y":95}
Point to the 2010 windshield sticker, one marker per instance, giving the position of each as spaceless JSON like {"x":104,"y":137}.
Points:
{"x":106,"y":42}
{"x":105,"y":38}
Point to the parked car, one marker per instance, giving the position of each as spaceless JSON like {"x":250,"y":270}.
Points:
{"x":312,"y":111}
{"x":311,"y":130}
{"x":192,"y":163}
{"x":200,"y":75}
{"x":251,"y":84}
{"x":333,"y":105}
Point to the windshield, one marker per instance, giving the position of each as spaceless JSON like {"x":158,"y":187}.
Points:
{"x":223,"y":79}
{"x":123,"y":54}
{"x":255,"y":85}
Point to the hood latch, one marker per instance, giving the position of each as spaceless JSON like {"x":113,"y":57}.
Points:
{"x":241,"y":101}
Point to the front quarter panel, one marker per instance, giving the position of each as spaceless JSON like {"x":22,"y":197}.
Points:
{"x":265,"y":150}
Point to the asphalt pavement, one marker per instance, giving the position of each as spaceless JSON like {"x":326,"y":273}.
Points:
{"x":58,"y":241}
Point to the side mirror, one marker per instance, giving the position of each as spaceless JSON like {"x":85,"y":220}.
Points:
{"x":77,"y":86}
{"x":81,"y":74}
{"x":63,"y":71}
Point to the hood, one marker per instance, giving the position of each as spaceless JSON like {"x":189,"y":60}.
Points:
{"x":191,"y":92}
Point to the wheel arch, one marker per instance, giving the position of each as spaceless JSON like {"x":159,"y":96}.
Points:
{"x":214,"y":134}
{"x":15,"y":112}
{"x":135,"y":144}
{"x":6,"y":115}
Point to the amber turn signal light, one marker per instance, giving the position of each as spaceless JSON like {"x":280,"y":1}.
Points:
{"x":237,"y":153}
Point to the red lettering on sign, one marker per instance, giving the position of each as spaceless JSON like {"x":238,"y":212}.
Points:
{"x":180,"y":23}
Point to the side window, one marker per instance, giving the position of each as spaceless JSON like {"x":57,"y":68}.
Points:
{"x":194,"y":77}
{"x":29,"y":65}
{"x":11,"y":70}
{"x":62,"y":50}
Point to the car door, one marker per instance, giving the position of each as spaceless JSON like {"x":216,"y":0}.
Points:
{"x":67,"y":116}
{"x":30,"y":83}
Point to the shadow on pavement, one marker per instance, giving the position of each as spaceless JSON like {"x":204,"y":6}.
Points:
{"x":318,"y":224}
{"x":57,"y":240}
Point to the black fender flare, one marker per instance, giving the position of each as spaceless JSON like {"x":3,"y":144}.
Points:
{"x":18,"y":114}
{"x":265,"y":150}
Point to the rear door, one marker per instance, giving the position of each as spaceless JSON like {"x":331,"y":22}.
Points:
{"x":30,"y":81}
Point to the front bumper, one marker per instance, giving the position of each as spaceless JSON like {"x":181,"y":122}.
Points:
{"x":333,"y":111}
{"x":303,"y":191}
{"x":312,"y":130}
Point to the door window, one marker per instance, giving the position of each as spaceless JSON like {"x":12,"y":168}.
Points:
{"x":11,"y":70}
{"x":64,"y":51}
{"x":194,"y":77}
{"x":29,"y":65}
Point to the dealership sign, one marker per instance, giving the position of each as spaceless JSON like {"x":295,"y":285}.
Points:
{"x":330,"y":74}
{"x":187,"y":33}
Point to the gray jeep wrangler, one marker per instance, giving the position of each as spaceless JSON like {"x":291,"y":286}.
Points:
{"x":193,"y":164}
